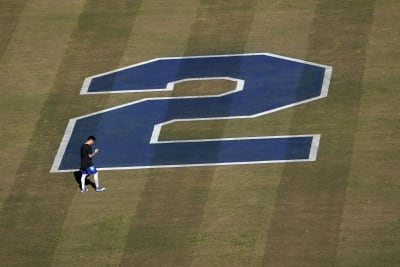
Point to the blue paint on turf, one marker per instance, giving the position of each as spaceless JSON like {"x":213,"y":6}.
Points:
{"x":124,"y":134}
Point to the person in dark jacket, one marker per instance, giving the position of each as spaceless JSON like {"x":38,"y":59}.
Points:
{"x":87,"y":166}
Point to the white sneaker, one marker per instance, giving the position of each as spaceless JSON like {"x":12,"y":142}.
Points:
{"x":100,"y":189}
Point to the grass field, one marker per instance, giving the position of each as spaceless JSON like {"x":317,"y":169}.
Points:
{"x":341,"y":210}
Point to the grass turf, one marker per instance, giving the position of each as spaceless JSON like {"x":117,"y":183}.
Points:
{"x":340,"y":210}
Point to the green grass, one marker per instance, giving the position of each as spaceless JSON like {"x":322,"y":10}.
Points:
{"x":338,"y":211}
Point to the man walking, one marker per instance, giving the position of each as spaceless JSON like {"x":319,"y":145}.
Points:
{"x":87,"y":167}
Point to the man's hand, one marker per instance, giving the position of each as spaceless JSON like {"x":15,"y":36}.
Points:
{"x":94,"y":153}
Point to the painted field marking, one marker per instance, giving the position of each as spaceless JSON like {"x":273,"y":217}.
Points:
{"x":156,"y":152}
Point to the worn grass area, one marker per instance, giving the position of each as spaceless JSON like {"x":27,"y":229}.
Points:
{"x":338,"y":211}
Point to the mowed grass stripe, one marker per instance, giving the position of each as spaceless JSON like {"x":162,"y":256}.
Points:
{"x":153,"y":34}
{"x":9,"y":14}
{"x":27,"y":73}
{"x":169,"y":214}
{"x":371,"y":219}
{"x":309,"y":205}
{"x":34,"y":212}
{"x":161,"y":30}
{"x":241,"y":200}
{"x":282,"y":28}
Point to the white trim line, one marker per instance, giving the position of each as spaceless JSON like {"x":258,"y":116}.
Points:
{"x":157,"y":128}
{"x":241,"y":138}
{"x":314,"y":147}
{"x":312,"y":155}
{"x":63,"y":146}
{"x":326,"y":81}
{"x":88,"y":80}
{"x":191,"y":165}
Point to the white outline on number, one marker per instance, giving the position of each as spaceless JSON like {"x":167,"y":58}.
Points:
{"x":170,"y":86}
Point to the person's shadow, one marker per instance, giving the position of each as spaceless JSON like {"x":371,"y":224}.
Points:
{"x":77,"y":175}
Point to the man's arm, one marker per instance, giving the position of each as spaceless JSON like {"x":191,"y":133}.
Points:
{"x":94,"y":153}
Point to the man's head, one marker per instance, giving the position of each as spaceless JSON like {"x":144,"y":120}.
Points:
{"x":90,"y":140}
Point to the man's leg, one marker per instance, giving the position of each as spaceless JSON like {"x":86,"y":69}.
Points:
{"x":83,"y":182}
{"x":96,"y":181}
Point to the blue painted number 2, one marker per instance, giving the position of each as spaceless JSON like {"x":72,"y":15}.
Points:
{"x":128,"y":135}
